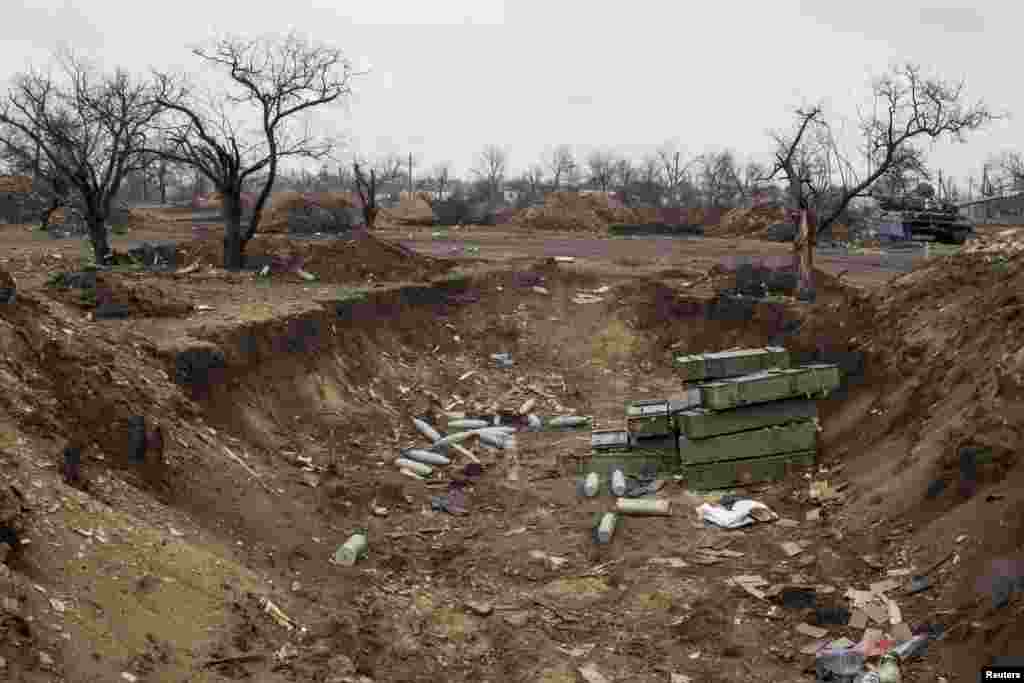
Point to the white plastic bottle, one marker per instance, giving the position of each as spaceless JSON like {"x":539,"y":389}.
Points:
{"x":591,"y":485}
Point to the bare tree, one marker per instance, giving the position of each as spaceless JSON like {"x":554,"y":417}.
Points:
{"x":491,"y":167}
{"x":1010,"y":169}
{"x":440,"y":179}
{"x":675,"y":171}
{"x":651,"y":178}
{"x":915,"y":108}
{"x":624,"y":175}
{"x":560,"y":162}
{"x":366,"y":186}
{"x":719,"y":178}
{"x":388,"y":167}
{"x":280,"y":80}
{"x":601,"y":164}
{"x":534,"y":180}
{"x":89,"y":128}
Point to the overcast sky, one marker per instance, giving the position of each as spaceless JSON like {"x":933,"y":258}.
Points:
{"x":449,"y":76}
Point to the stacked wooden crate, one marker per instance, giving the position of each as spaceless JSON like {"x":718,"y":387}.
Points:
{"x":648,"y":442}
{"x":756,"y":418}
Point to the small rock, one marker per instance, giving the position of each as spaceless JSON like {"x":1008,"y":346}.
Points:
{"x":679,"y":678}
{"x":131,"y":678}
{"x":45,"y":660}
{"x":296,"y":586}
{"x":340,"y":667}
{"x":10,"y":604}
{"x":557,"y":562}
{"x":591,"y":675}
{"x":517,"y":619}
{"x":482,"y":609}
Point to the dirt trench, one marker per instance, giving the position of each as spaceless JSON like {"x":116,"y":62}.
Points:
{"x":280,"y":436}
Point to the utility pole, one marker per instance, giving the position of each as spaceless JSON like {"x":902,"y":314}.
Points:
{"x":410,"y":174}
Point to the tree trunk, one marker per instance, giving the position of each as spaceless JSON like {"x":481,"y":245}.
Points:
{"x":234,"y":245}
{"x":803,"y":258}
{"x":98,"y":236}
{"x":370,"y":216}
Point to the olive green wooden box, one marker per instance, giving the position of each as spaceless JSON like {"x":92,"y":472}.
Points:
{"x":616,"y":448}
{"x":649,"y":418}
{"x":810,"y":381}
{"x":701,"y":423}
{"x":723,"y":364}
{"x":756,"y":443}
{"x":720,"y":475}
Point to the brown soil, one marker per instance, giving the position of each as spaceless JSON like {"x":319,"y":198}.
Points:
{"x":158,"y":570}
{"x":143,"y":299}
{"x":335,"y":261}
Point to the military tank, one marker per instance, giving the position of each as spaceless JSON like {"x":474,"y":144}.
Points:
{"x":919,"y":215}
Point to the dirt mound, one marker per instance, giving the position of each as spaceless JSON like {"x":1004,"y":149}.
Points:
{"x":1008,"y":242}
{"x":573,"y":212}
{"x":746,"y":222}
{"x":89,"y":291}
{"x":411,"y":210}
{"x":357,"y":259}
{"x":934,"y":443}
{"x":289,"y":208}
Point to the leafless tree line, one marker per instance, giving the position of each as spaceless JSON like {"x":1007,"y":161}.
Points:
{"x":85,"y":133}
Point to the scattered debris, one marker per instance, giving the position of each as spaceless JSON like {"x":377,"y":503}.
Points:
{"x":276,"y":614}
{"x":798,"y":598}
{"x":590,"y":674}
{"x":751,"y":584}
{"x":791,"y":549}
{"x":481,"y":609}
{"x":812,"y":631}
{"x":743,"y":512}
{"x":672,"y":562}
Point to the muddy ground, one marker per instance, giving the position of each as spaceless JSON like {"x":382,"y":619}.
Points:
{"x":276,"y":451}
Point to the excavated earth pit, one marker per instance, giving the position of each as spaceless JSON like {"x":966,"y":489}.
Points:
{"x":279,"y":435}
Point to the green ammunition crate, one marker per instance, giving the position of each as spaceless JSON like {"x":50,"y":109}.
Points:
{"x":663,"y":448}
{"x":756,"y":443}
{"x":723,"y":364}
{"x":649,"y":418}
{"x":701,"y":423}
{"x":720,"y":475}
{"x":609,"y":441}
{"x":770,"y":385}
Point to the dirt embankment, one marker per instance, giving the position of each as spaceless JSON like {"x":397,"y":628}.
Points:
{"x":357,"y":259}
{"x":280,"y":434}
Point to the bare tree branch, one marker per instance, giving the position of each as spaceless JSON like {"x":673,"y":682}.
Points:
{"x":560,"y":162}
{"x":491,"y":167}
{"x":279,"y":79}
{"x":85,"y":132}
{"x":601,"y":164}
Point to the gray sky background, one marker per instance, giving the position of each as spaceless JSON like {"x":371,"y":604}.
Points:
{"x":450,"y":76}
